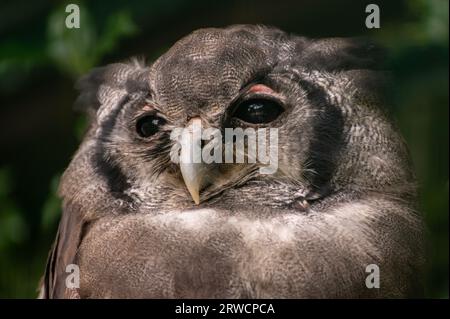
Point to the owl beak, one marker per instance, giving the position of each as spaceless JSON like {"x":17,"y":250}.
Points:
{"x":195,"y":173}
{"x":193,"y":178}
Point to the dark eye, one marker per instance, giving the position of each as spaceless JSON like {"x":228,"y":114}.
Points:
{"x":258,"y":111}
{"x":148,"y":125}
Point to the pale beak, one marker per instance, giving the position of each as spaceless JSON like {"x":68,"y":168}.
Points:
{"x":196,"y":174}
{"x":194,"y":178}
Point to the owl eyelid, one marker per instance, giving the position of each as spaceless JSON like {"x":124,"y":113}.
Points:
{"x":255,"y":96}
{"x":149,"y":109}
{"x":261,"y":89}
{"x":235,"y":115}
{"x":143,"y":114}
{"x":264,"y":96}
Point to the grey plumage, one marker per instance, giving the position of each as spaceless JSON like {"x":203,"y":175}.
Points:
{"x":344,"y":195}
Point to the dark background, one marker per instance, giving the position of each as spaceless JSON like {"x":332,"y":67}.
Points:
{"x":40,"y":60}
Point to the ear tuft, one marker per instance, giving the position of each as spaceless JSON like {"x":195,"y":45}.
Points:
{"x":342,"y":54}
{"x":113,"y":76}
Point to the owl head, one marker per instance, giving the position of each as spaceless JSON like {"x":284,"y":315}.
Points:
{"x":321,"y":97}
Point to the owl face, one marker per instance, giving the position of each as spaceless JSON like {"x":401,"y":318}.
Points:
{"x":243,"y":77}
{"x":342,"y":195}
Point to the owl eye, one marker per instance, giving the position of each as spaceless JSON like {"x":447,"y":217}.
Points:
{"x":258,"y":111}
{"x":148,"y":125}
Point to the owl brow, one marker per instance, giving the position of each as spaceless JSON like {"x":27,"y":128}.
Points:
{"x":259,"y":77}
{"x":152,"y":103}
{"x":148,"y":108}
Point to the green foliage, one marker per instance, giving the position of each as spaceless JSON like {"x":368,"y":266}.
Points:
{"x":13,"y":229}
{"x":72,"y":51}
{"x":51,"y":210}
{"x":76,"y":51}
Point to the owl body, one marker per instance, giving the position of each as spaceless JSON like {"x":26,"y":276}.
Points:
{"x":343,"y":197}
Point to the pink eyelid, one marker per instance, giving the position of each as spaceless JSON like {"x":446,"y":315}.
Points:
{"x":148,"y":108}
{"x":261,"y":88}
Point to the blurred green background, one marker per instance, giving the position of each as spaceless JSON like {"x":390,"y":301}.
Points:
{"x":40,"y":60}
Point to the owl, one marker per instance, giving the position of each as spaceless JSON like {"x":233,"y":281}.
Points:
{"x":337,"y":218}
